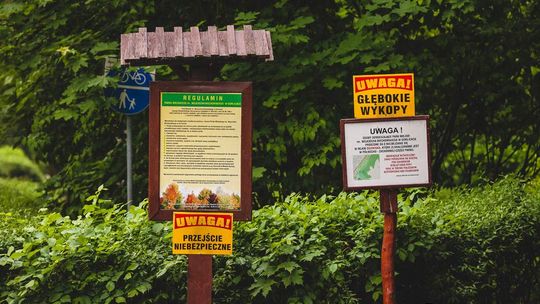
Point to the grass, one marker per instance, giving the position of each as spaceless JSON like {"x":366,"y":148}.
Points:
{"x":20,"y":182}
{"x":15,"y":164}
{"x":16,"y":194}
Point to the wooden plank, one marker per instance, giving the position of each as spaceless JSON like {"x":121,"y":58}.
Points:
{"x":178,"y":42}
{"x":240,"y":43}
{"x":196,"y":46}
{"x":156,"y":44}
{"x":195,"y":43}
{"x":140,"y":42}
{"x":231,"y":40}
{"x":266,"y":50}
{"x":187,"y":44}
{"x":269,"y":41}
{"x":123,"y":48}
{"x":249,"y":41}
{"x":261,"y":47}
{"x":223,"y":49}
{"x":130,"y":46}
{"x":169,"y":41}
{"x":160,"y":35}
{"x":151,"y":45}
{"x":205,"y":43}
{"x":213,"y":41}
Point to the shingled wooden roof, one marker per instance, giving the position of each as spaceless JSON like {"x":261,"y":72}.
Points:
{"x":160,"y":47}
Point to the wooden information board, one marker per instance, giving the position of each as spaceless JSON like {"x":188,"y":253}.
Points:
{"x":200,"y":148}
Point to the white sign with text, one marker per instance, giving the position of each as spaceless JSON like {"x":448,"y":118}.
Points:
{"x":382,"y":153}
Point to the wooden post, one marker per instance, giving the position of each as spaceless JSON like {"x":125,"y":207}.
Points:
{"x":206,"y":52}
{"x":199,"y":285}
{"x":388,"y":199}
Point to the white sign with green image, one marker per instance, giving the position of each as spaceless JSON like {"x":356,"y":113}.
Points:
{"x":388,"y":152}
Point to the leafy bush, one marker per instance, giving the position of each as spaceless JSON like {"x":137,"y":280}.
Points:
{"x":485,"y":245}
{"x":19,"y":195}
{"x":20,"y":181}
{"x":454,"y":246}
{"x":105,"y":256}
{"x":15,"y":164}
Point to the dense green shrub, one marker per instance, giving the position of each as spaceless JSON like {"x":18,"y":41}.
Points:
{"x":106,"y":255}
{"x":20,"y":181}
{"x":15,"y":164}
{"x":454,"y":246}
{"x":19,"y":195}
{"x":485,"y":246}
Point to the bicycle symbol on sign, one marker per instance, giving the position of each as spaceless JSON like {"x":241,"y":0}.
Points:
{"x":138,"y":77}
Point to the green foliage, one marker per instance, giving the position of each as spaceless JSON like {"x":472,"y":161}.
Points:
{"x":20,"y":187}
{"x":104,"y":256}
{"x":484,"y":245}
{"x":52,"y":83}
{"x":475,"y":62}
{"x":475,"y":65}
{"x":301,"y":251}
{"x":20,"y":196}
{"x":453,"y":246}
{"x":15,"y":164}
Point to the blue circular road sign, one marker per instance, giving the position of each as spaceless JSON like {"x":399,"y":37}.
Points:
{"x":133,"y":91}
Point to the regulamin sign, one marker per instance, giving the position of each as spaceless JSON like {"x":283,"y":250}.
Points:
{"x":200,"y":148}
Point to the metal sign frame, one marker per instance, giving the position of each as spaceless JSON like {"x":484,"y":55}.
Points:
{"x":156,"y":88}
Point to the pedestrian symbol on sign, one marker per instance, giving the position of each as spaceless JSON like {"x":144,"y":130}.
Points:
{"x":132,"y":93}
{"x":123,"y":97}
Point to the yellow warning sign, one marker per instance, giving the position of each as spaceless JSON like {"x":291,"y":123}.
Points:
{"x":377,"y":96}
{"x":202,"y":233}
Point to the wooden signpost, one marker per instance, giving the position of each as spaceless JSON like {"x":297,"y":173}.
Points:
{"x":199,"y":137}
{"x":386,"y":148}
{"x":200,"y":152}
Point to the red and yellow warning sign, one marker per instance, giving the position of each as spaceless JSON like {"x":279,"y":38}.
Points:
{"x":202,"y":233}
{"x":377,"y":96}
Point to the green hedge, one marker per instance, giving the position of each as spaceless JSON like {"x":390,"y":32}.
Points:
{"x":20,"y":182}
{"x":15,"y":164}
{"x":454,"y":246}
{"x":20,"y":195}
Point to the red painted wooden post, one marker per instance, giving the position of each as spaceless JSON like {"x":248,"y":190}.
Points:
{"x":389,"y":208}
{"x":199,"y":285}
